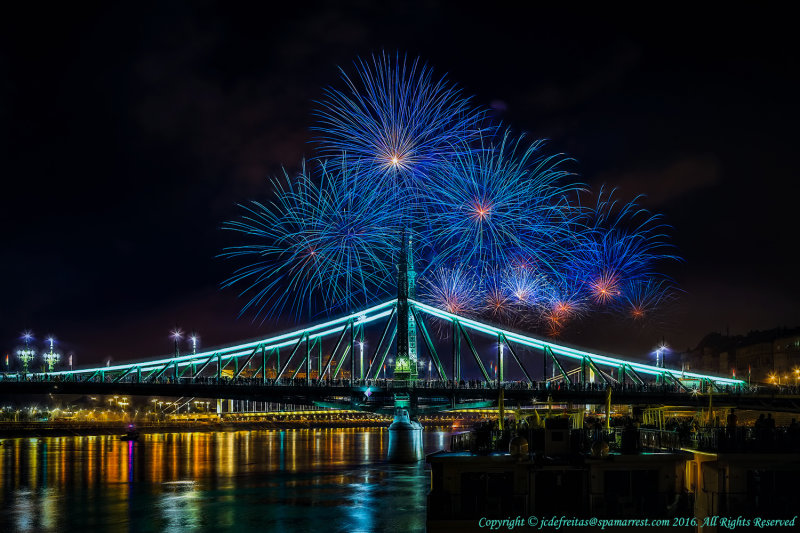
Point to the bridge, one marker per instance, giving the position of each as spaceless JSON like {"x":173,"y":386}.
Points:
{"x":328,"y":364}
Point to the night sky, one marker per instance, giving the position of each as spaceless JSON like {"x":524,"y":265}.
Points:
{"x":128,"y":133}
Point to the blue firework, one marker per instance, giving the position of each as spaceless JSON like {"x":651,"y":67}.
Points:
{"x":623,"y":243}
{"x":498,"y":303}
{"x":456,"y":290}
{"x":641,"y":297}
{"x":567,"y":301}
{"x":488,"y":206}
{"x":316,"y":245}
{"x":396,"y":120}
{"x":502,"y":230}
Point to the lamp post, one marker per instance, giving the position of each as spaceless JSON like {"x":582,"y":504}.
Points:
{"x":51,"y":357}
{"x":361,"y":356}
{"x":660,"y":353}
{"x":176,"y":335}
{"x":27,"y":353}
{"x":194,"y":339}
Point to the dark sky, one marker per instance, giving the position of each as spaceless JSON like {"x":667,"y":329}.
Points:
{"x":129,"y":131}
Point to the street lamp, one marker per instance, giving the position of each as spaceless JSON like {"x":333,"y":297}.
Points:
{"x":361,"y":358}
{"x":177,"y":335}
{"x":51,"y":357}
{"x":27,"y":353}
{"x":660,"y":353}
{"x":502,"y":356}
{"x":194,"y":340}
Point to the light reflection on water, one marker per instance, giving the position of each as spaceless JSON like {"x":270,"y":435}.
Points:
{"x":282,"y":480}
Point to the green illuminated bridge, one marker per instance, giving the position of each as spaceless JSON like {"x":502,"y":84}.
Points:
{"x":370,"y":360}
{"x":343,"y":362}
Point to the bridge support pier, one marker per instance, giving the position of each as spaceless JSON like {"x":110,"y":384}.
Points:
{"x":405,"y":439}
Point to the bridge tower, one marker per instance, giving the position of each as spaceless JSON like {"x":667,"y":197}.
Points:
{"x":406,"y":361}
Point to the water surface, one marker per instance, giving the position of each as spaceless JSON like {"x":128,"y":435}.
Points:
{"x":332,"y":480}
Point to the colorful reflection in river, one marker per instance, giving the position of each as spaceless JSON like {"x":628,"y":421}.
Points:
{"x":281,"y":480}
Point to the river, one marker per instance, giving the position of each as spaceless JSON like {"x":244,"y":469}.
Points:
{"x":331,"y":480}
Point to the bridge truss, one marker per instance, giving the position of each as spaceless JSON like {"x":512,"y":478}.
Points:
{"x":297,"y":357}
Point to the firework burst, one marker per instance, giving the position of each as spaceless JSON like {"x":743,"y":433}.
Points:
{"x":566,"y":302}
{"x":396,"y":120}
{"x":455,"y":290}
{"x":485,"y":205}
{"x":498,"y":302}
{"x":622,"y":244}
{"x":605,"y":288}
{"x":642,"y":297}
{"x":315,"y":239}
{"x":500,"y":229}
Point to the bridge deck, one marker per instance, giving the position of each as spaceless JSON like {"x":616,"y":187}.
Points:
{"x":379,"y":395}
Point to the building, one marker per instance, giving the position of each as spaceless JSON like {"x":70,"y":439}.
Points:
{"x":654,"y":476}
{"x":771,"y":356}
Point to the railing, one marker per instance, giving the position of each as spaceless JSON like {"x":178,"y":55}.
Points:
{"x":723,"y":440}
{"x":474,"y":384}
{"x":654,"y":439}
{"x":634,"y":440}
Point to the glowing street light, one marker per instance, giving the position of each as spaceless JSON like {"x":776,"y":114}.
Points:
{"x":660,"y":353}
{"x":51,"y":357}
{"x":194,"y":340}
{"x":27,"y":353}
{"x":177,"y":335}
{"x":361,"y":357}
